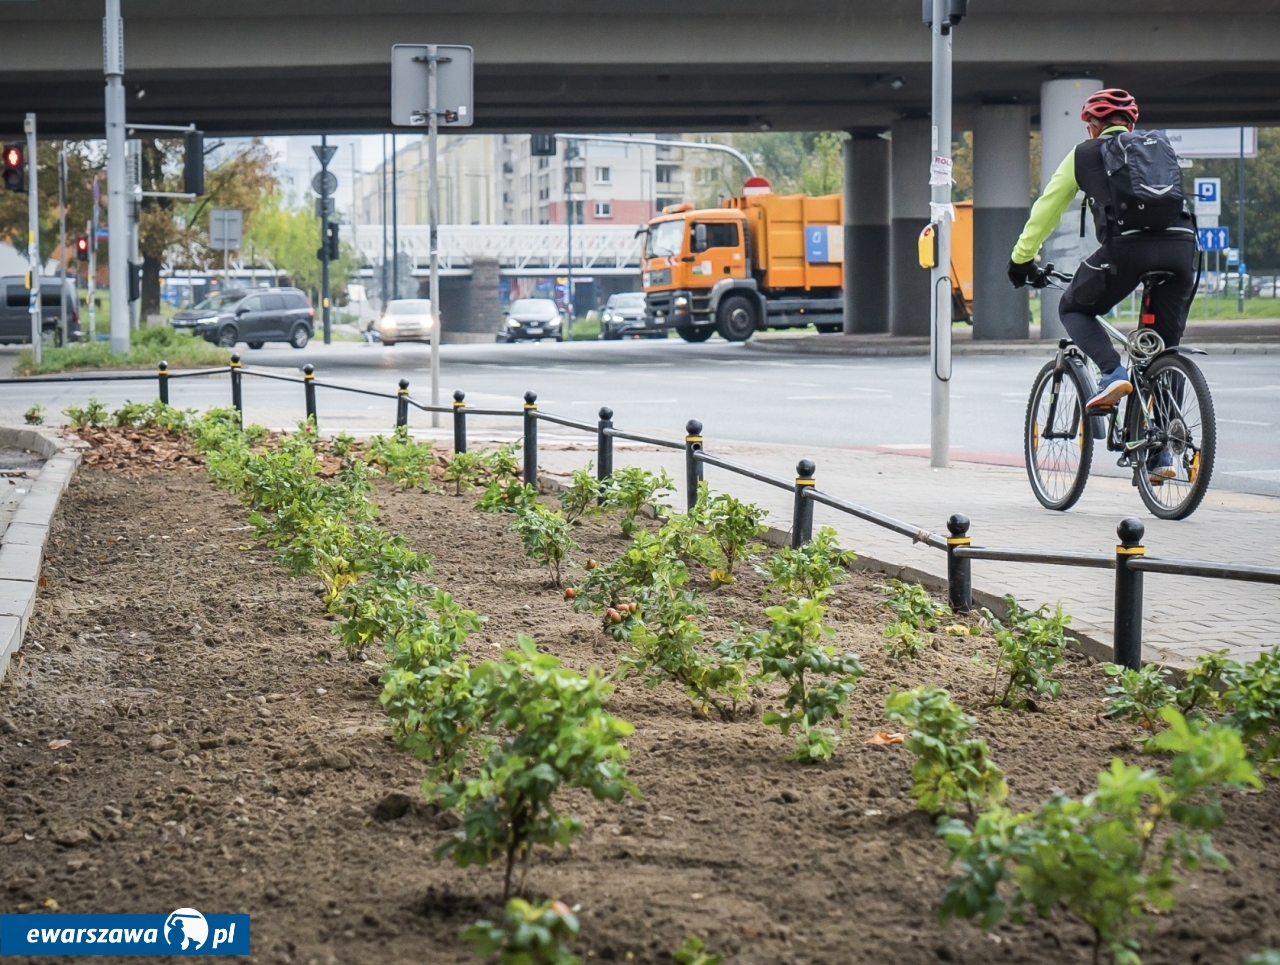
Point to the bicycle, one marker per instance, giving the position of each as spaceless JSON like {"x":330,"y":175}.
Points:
{"x":1170,"y":409}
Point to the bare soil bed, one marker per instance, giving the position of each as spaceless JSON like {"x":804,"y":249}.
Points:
{"x":224,"y":755}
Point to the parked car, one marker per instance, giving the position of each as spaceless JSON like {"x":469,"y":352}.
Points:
{"x":535,"y":318}
{"x":624,"y":314}
{"x":256,"y":317}
{"x":189,"y":319}
{"x":404,"y":320}
{"x":15,"y":312}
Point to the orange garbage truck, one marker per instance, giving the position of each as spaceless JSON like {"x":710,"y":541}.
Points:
{"x":759,"y":261}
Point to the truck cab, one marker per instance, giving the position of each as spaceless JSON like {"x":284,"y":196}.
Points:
{"x":688,"y":255}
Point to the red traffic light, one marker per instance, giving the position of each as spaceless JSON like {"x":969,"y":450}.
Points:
{"x":15,"y":174}
{"x":13,"y":156}
{"x":82,"y":248}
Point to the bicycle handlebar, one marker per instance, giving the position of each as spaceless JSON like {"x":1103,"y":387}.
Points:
{"x":1045,"y":275}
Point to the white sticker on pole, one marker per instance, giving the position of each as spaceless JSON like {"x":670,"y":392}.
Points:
{"x":940,"y":172}
{"x":940,"y":211}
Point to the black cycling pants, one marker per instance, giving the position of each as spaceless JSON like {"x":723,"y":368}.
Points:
{"x":1096,"y":289}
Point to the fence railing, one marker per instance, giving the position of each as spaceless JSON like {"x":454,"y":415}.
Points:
{"x":1129,"y":560}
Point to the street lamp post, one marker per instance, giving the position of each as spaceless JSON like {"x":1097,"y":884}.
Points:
{"x":117,"y":202}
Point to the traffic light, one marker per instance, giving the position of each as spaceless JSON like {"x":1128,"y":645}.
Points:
{"x":15,"y":167}
{"x":333,"y":241}
{"x":135,"y":281}
{"x":542,"y":145}
{"x":82,"y":248}
{"x":193,"y":163}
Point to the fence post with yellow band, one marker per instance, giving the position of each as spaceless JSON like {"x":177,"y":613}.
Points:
{"x":959,"y":568}
{"x":531,"y":439}
{"x":459,"y":421}
{"x":402,"y":404}
{"x":1127,"y":630}
{"x":802,"y":511}
{"x":309,"y":390}
{"x":604,"y":449}
{"x":692,"y":465}
{"x":237,"y":391}
{"x":162,"y":376}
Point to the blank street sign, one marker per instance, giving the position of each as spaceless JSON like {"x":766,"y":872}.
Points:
{"x":225,"y":227}
{"x":454,"y":95}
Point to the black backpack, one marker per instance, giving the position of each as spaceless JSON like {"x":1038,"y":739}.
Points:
{"x":1145,"y":181}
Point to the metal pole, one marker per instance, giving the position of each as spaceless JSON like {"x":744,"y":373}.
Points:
{"x":162,"y":378}
{"x":604,"y":449}
{"x":395,"y":224}
{"x":692,"y":465}
{"x":93,"y":257}
{"x":135,"y":254}
{"x":309,"y":392}
{"x":1127,"y":626}
{"x":237,"y":387}
{"x":382,"y":288}
{"x":117,"y":201}
{"x":433,"y":215}
{"x":402,"y":404}
{"x":33,"y":239}
{"x":324,"y":246}
{"x":1240,"y":228}
{"x":459,"y":421}
{"x":959,"y":569}
{"x":62,"y":241}
{"x":570,"y":153}
{"x":940,"y":274}
{"x":802,"y":510}
{"x":531,"y":439}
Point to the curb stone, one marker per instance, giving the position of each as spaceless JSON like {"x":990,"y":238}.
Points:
{"x":23,"y":541}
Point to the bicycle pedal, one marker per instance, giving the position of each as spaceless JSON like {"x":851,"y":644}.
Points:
{"x":1124,"y":462}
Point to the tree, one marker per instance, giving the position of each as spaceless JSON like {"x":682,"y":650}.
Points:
{"x":84,"y":160}
{"x":288,"y":237}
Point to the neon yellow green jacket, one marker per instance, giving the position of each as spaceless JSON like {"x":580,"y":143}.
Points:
{"x":1052,"y":204}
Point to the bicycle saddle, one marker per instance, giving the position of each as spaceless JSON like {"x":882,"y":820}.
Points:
{"x":1153,"y":278}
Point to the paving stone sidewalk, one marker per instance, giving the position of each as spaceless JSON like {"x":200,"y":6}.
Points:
{"x":1184,"y":616}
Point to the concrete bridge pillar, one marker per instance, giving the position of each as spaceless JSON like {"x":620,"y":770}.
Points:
{"x":866,"y":233}
{"x":1060,"y":130}
{"x":1001,"y":202}
{"x":909,"y":213}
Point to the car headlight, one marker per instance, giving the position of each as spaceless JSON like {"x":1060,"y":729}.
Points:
{"x":389,"y":323}
{"x":606,"y":317}
{"x":682,"y":302}
{"x":513,"y":323}
{"x":553,"y":322}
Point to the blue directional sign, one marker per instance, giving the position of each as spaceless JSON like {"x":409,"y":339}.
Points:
{"x":1215,"y":239}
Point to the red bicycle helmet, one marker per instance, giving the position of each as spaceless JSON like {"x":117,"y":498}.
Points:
{"x":1107,"y":103}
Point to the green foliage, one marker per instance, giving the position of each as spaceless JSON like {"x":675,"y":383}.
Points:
{"x":807,"y":571}
{"x":509,"y":497}
{"x":401,"y":458}
{"x":547,"y":537}
{"x":1030,"y":647}
{"x":342,"y":445}
{"x":548,"y":730}
{"x":1252,"y":703}
{"x":464,"y":469}
{"x":92,"y":414}
{"x":905,"y":642}
{"x":1106,"y":859}
{"x":34,"y":416}
{"x":819,"y":683}
{"x":913,"y":605}
{"x":502,"y":464}
{"x":951,"y":769}
{"x":732,"y":525}
{"x":693,"y":952}
{"x":631,"y":489}
{"x":436,"y":708}
{"x":583,"y":494}
{"x":529,"y":935}
{"x":152,"y":415}
{"x":379,"y":610}
{"x":147,"y":347}
{"x":1139,"y":695}
{"x":1203,"y":684}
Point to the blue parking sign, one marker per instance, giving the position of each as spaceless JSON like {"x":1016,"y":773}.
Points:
{"x":1215,"y":239}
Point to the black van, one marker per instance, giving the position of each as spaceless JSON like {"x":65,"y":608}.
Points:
{"x":15,"y":315}
{"x":254,"y":316}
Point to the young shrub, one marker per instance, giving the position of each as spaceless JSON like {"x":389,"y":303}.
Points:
{"x":402,"y":458}
{"x":582,"y":497}
{"x":633,"y":488}
{"x":549,"y":730}
{"x":1204,"y":683}
{"x":913,"y":605}
{"x":378,"y":611}
{"x":502,"y":464}
{"x":547,"y":537}
{"x":464,"y":469}
{"x":1106,"y":859}
{"x":733,"y":526}
{"x":34,"y":416}
{"x":437,"y":641}
{"x":342,"y":445}
{"x":92,"y":414}
{"x":1139,"y":695}
{"x":1030,"y":647}
{"x":905,"y":642}
{"x":693,"y":952}
{"x":508,"y":497}
{"x":951,"y":769}
{"x":1252,"y":704}
{"x":807,"y":571}
{"x":529,"y":935}
{"x":819,"y":683}
{"x":436,"y":710}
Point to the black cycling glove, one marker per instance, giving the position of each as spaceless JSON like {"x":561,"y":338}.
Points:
{"x":1021,"y":273}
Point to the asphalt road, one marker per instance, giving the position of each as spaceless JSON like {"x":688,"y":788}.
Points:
{"x":656,"y":386}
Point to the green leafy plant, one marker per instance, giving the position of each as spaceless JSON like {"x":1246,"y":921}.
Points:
{"x":631,"y":489}
{"x":379,"y":610}
{"x":436,"y":709}
{"x":913,"y":605}
{"x":1139,"y":695}
{"x":1108,"y":858}
{"x":94,"y":413}
{"x":732,"y":525}
{"x":34,"y":416}
{"x":548,"y":730}
{"x":819,"y":683}
{"x":507,"y":497}
{"x":1203,"y":684}
{"x":547,"y":537}
{"x":342,"y":445}
{"x":1252,"y":704}
{"x":951,"y":769}
{"x":583,"y":495}
{"x":693,"y":952}
{"x":502,"y":464}
{"x":905,"y":642}
{"x":464,"y":469}
{"x":401,"y":458}
{"x":1030,"y":647}
{"x":529,"y":934}
{"x":805,"y":572}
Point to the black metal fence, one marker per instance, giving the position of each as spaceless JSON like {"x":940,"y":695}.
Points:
{"x":1129,"y":560}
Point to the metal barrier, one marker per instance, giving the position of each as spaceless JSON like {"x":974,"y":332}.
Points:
{"x":1129,"y":561}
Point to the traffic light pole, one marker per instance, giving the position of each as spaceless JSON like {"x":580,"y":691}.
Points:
{"x":324,"y":250}
{"x":117,"y":200}
{"x":433,"y":208}
{"x":941,"y":214}
{"x":62,"y":242}
{"x":33,"y":238}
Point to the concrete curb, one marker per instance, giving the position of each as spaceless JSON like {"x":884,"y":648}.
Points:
{"x":919,"y":347}
{"x":23,"y":541}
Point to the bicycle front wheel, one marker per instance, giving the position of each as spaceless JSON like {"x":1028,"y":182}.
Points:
{"x":1177,"y":417}
{"x":1058,"y":437}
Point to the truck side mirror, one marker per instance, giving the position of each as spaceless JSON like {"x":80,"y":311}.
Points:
{"x":699,"y":237}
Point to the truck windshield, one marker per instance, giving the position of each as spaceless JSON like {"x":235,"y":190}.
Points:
{"x":665,"y":238}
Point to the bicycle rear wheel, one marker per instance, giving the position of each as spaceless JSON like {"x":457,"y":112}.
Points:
{"x":1058,"y":437}
{"x":1178,"y":417}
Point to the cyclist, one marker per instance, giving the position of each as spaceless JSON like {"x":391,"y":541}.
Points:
{"x":1112,"y":272}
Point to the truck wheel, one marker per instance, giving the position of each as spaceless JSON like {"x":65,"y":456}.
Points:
{"x":831,"y":328}
{"x":736,"y":319}
{"x":691,"y":334}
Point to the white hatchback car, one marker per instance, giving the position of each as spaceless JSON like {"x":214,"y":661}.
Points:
{"x":404,"y":320}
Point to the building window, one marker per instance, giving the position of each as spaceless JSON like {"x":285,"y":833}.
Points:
{"x":604,"y":209}
{"x":577,"y":179}
{"x":575,"y":211}
{"x":602,"y":175}
{"x":665,"y":172}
